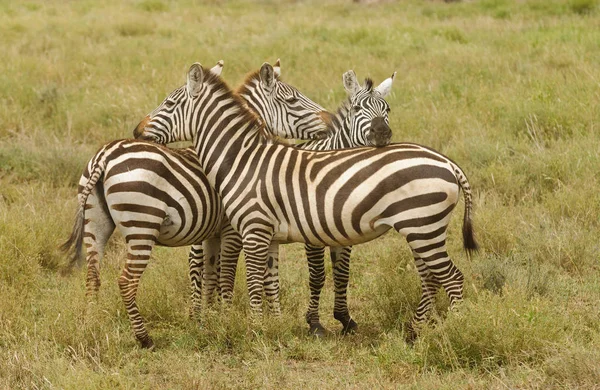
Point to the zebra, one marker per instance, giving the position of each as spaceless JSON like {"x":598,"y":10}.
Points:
{"x":371,"y":102}
{"x":156,"y":195}
{"x":276,"y":193}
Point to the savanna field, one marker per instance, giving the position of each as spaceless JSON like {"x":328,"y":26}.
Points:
{"x":510,"y":90}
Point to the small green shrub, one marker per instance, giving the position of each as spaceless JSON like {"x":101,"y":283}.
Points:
{"x":153,"y":6}
{"x":583,"y":7}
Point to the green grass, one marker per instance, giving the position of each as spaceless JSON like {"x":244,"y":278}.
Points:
{"x":508,"y":89}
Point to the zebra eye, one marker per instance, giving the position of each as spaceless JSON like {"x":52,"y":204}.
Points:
{"x":169,"y":103}
{"x":291,"y":99}
{"x":356,"y":109}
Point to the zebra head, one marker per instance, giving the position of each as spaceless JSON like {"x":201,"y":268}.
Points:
{"x":285,"y":111}
{"x":367,"y":118}
{"x":156,"y":125}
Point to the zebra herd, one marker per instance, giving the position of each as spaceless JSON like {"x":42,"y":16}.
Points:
{"x":240,"y":187}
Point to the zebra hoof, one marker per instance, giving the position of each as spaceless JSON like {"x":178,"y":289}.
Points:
{"x":317,"y":331}
{"x":350,"y":327}
{"x":410,"y":335}
{"x":147,"y":343}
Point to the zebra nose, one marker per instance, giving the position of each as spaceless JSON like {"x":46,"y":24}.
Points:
{"x":380,"y":134}
{"x":139,"y":129}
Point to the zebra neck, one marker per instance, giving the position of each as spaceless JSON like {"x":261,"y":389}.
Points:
{"x":254,"y":100}
{"x":337,"y":140}
{"x":339,"y":137}
{"x":224,"y":134}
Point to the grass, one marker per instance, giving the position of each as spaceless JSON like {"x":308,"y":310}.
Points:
{"x":508,"y":89}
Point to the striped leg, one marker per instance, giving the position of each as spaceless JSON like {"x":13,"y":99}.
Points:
{"x":97,"y":230}
{"x":256,"y":248}
{"x":231,"y":246}
{"x":138,"y":256}
{"x":210,"y":277}
{"x":435,"y":268}
{"x":340,"y":261}
{"x":316,"y":270}
{"x":271,"y":280}
{"x":196,"y":266}
{"x":429,"y":287}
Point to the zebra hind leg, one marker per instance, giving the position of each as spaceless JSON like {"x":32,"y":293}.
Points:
{"x":340,"y":260}
{"x":316,"y":270}
{"x":98,"y":227}
{"x":437,"y":269}
{"x":429,"y":287}
{"x":196,"y":267}
{"x":138,"y":256}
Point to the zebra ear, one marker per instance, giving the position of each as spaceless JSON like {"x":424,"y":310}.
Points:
{"x":195,"y":77}
{"x":385,"y":87}
{"x":350,"y":82}
{"x":267,"y":76}
{"x":217,"y":69}
{"x":277,"y":68}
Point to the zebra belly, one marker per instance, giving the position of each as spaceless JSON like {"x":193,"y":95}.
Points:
{"x":287,"y":234}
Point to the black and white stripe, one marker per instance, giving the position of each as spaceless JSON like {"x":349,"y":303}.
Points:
{"x":276,"y":193}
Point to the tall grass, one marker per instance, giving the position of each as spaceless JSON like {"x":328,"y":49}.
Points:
{"x":508,"y":89}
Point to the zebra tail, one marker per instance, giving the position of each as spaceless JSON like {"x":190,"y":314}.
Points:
{"x":469,"y":242}
{"x":75,"y":242}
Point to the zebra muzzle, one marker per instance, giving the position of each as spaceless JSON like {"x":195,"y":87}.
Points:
{"x":380,"y":133}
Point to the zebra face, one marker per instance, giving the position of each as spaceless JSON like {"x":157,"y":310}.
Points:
{"x":287,"y":113}
{"x":158,"y":126}
{"x":368,"y":110}
{"x":166,"y":123}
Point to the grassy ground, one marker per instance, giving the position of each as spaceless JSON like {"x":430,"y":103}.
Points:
{"x":508,"y":89}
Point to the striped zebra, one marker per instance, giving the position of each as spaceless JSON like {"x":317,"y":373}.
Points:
{"x":277,"y":193}
{"x":371,"y":104}
{"x":160,"y":196}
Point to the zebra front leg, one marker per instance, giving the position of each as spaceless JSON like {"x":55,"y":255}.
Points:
{"x":340,"y":261}
{"x":429,"y":287}
{"x":271,"y":280}
{"x":196,"y":266}
{"x":315,"y":256}
{"x":256,"y":248}
{"x":138,"y":255}
{"x":210,"y":277}
{"x":231,"y":247}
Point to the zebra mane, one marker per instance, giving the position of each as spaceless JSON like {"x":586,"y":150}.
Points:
{"x":244,"y":89}
{"x":340,"y":115}
{"x":369,"y":84}
{"x":248,"y":114}
{"x":249,"y":79}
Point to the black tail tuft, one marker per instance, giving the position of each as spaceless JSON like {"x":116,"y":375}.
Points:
{"x":75,"y":242}
{"x":469,"y":242}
